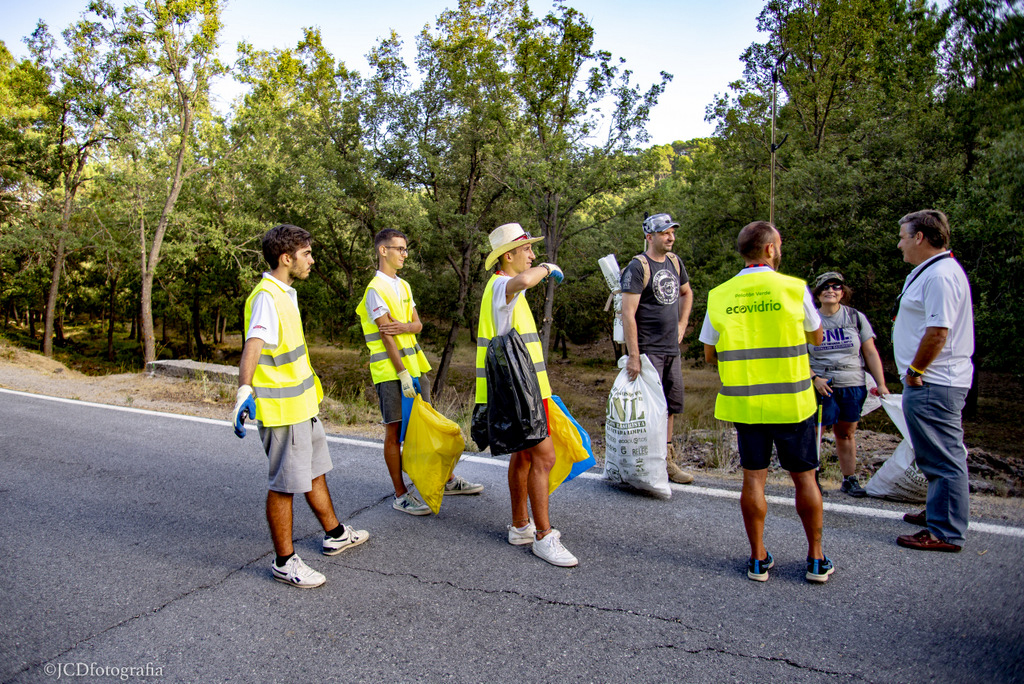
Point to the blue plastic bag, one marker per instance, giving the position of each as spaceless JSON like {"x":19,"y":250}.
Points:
{"x":588,"y":463}
{"x":407,"y":408}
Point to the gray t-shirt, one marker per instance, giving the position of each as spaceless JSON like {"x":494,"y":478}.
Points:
{"x":839,"y":355}
{"x":657,"y":314}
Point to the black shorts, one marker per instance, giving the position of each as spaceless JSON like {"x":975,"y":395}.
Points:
{"x":670,"y":370}
{"x":794,"y":442}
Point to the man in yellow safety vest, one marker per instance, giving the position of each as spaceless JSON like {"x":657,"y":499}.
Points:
{"x":756,"y":329}
{"x":279,"y":390}
{"x":504,"y":308}
{"x":390,"y":322}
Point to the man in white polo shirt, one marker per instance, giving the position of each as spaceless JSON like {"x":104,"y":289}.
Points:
{"x":933,"y":341}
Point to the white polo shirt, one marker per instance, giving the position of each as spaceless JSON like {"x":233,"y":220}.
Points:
{"x":264,"y":322}
{"x":939,"y":298}
{"x":376,"y":305}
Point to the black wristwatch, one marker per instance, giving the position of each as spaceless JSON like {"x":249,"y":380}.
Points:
{"x":911,"y":373}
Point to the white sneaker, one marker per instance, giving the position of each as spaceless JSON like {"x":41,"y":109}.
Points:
{"x":298,"y":574}
{"x":411,"y":504}
{"x":521,"y":536}
{"x":550,"y":549}
{"x":351,"y":537}
{"x":459,"y":485}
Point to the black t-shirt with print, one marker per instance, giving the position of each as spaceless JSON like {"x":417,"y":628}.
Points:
{"x":657,"y":315}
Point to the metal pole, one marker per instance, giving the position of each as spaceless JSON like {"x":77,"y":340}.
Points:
{"x":771,"y":194}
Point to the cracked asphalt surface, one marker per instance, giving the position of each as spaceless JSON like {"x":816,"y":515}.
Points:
{"x":137,"y":540}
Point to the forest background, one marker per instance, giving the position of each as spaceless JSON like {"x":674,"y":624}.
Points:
{"x":131,"y":209}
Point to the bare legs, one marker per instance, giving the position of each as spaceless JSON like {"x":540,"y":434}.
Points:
{"x":279,"y":514}
{"x":755,"y":508}
{"x":528,"y":473}
{"x":846,"y":447}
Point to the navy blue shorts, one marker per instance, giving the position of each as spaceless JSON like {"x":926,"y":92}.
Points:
{"x":794,"y":442}
{"x":844,"y":404}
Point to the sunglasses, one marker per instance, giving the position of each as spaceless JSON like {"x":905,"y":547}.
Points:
{"x":838,"y":287}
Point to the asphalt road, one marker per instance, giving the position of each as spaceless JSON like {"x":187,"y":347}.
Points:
{"x":135,"y":548}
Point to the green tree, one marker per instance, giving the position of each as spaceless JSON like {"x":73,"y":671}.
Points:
{"x":554,"y":162}
{"x":179,"y":40}
{"x":89,"y":80}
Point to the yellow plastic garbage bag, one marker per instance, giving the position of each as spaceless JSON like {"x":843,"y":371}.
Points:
{"x":568,"y":445}
{"x":433,"y":445}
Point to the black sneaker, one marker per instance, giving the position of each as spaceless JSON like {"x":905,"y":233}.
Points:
{"x":818,"y":569}
{"x":757,"y":570}
{"x":852,"y":487}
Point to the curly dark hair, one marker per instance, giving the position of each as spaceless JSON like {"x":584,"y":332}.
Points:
{"x":284,"y":239}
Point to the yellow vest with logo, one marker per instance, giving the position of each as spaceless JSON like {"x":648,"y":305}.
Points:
{"x":762,"y":349}
{"x":381,"y":368}
{"x":286,"y":389}
{"x":522,"y":321}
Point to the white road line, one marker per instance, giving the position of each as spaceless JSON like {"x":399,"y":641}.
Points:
{"x":488,"y":460}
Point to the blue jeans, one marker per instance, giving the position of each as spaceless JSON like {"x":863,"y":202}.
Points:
{"x":937,"y":435}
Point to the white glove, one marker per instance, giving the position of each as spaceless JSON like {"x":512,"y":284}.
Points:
{"x":408,"y":389}
{"x":554,"y":272}
{"x":245,"y":407}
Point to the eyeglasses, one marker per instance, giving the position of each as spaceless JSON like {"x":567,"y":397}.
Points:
{"x":838,"y":287}
{"x":403,"y":250}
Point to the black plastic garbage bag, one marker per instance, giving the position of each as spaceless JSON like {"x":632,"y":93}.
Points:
{"x":515,"y":409}
{"x":478,"y":430}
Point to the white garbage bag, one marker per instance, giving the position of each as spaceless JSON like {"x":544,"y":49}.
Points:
{"x":872,"y":401}
{"x":635,"y":430}
{"x":899,"y":478}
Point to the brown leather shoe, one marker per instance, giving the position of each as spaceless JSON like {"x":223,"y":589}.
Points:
{"x":924,"y":541}
{"x":919,"y":519}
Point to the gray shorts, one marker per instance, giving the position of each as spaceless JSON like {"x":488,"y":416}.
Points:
{"x":389,"y":398}
{"x":298,"y":454}
{"x":670,"y":370}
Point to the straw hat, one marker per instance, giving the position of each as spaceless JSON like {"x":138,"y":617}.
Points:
{"x":505,"y":238}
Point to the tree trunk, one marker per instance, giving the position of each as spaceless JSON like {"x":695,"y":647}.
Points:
{"x":465,"y":283}
{"x":51,"y":299}
{"x":31,"y":319}
{"x":197,"y":328}
{"x":113,"y":318}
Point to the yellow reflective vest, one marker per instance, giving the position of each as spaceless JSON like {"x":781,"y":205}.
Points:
{"x":286,"y":389}
{"x":762,"y":349}
{"x":381,"y":368}
{"x":522,"y":321}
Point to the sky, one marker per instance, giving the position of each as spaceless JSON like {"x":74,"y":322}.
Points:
{"x":697,"y":41}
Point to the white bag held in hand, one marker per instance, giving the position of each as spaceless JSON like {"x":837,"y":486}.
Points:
{"x":872,"y":401}
{"x":899,"y":478}
{"x":635,"y":430}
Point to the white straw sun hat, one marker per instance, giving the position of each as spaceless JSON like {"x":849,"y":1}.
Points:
{"x":507,"y":237}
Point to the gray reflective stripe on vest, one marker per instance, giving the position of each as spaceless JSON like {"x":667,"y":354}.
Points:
{"x":282,"y":359}
{"x":404,"y":351}
{"x":372,"y":337}
{"x":527,"y":338}
{"x":285,"y":392}
{"x":763,"y":353}
{"x":770,"y":388}
{"x":538,"y":367}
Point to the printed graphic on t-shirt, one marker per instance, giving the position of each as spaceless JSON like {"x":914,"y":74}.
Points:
{"x":835,"y":339}
{"x":665,"y":287}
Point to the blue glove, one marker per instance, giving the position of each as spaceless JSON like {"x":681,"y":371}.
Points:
{"x":554,"y":273}
{"x":245,"y":407}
